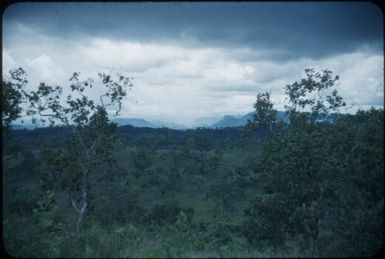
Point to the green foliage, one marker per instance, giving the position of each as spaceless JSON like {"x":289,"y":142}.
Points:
{"x":46,"y":217}
{"x":165,"y":213}
{"x":119,"y":204}
{"x":265,"y":221}
{"x":29,"y":162}
{"x":63,"y":168}
{"x":308,"y":188}
{"x":91,"y":141}
{"x":315,"y":172}
{"x":141,"y":161}
{"x":12,"y":97}
{"x":309,"y":95}
{"x":197,"y":142}
{"x":146,"y":141}
{"x":227,"y":190}
{"x":178,"y":240}
{"x":43,"y":234}
{"x":264,"y":115}
{"x":357,"y":214}
{"x":17,"y":242}
{"x":171,"y":183}
{"x":219,"y":235}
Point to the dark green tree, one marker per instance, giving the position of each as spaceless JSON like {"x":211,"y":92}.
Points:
{"x":263,"y":225}
{"x":12,"y":97}
{"x":264,"y":115}
{"x":92,"y":133}
{"x":310,"y":98}
{"x":141,"y":160}
{"x":298,"y":158}
{"x":356,"y":213}
{"x":226,"y":191}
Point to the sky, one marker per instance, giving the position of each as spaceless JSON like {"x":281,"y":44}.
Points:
{"x":193,"y":63}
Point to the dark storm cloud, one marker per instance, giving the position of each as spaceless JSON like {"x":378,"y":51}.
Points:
{"x":199,"y":60}
{"x":292,"y":30}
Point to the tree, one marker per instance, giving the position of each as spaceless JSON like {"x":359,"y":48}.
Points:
{"x":164,"y":213}
{"x":263,"y":224}
{"x":356,"y":215}
{"x":12,"y":97}
{"x":92,"y":133}
{"x":42,"y":234}
{"x":264,"y":115}
{"x":141,"y":161}
{"x":45,"y":216}
{"x":147,"y":141}
{"x":226,"y":191}
{"x":309,"y":96}
{"x":300,"y":158}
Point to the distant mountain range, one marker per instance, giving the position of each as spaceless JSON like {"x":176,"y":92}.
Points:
{"x":226,"y":121}
{"x":232,"y":121}
{"x":236,"y":121}
{"x":143,"y":123}
{"x":134,"y":122}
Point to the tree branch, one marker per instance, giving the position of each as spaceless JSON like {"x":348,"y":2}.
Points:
{"x":74,"y":205}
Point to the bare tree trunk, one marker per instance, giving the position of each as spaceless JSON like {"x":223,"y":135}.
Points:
{"x":81,"y":211}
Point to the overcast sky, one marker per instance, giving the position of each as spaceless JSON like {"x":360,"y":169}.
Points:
{"x":195,"y":62}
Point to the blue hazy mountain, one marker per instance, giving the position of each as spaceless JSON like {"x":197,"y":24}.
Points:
{"x":134,"y":122}
{"x":236,"y":121}
{"x":171,"y":125}
{"x":226,"y":121}
{"x":140,"y":123}
{"x":205,"y":122}
{"x":232,"y":121}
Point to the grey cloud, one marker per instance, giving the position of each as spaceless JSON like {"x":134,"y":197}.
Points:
{"x":198,"y":60}
{"x":231,"y":90}
{"x":297,"y":29}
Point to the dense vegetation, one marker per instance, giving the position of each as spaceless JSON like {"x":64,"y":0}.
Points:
{"x":306,"y":188}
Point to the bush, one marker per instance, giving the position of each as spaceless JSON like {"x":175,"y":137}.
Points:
{"x":165,"y":213}
{"x":264,"y":222}
{"x":118,"y":204}
{"x":218,"y":235}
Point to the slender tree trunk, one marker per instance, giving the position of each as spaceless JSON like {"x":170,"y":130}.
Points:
{"x":82,"y":211}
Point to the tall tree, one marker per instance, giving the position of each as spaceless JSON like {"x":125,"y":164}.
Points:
{"x":298,"y":158}
{"x":309,"y":98}
{"x":264,"y":114}
{"x":225,"y":191}
{"x":12,"y":97}
{"x":92,"y":133}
